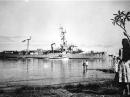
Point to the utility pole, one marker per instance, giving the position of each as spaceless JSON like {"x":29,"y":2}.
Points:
{"x":27,"y":50}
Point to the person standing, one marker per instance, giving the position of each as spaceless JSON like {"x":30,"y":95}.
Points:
{"x":85,"y":65}
{"x":116,"y":67}
{"x":124,"y":67}
{"x":127,"y":67}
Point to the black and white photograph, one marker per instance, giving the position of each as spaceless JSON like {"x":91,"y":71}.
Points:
{"x":64,"y":48}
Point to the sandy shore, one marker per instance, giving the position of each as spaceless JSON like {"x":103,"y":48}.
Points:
{"x":102,"y":88}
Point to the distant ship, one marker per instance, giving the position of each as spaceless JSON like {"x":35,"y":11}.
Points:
{"x":64,"y":51}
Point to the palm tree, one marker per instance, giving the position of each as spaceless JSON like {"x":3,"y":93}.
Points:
{"x":120,"y":19}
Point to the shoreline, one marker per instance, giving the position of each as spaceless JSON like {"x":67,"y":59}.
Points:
{"x":84,"y":89}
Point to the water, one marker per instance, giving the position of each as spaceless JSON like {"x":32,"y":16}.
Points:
{"x":51,"y":71}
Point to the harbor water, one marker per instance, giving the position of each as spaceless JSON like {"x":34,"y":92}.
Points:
{"x":51,"y":71}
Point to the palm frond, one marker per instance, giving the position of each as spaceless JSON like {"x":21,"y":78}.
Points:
{"x":115,"y":14}
{"x":119,"y":12}
{"x":128,"y":16}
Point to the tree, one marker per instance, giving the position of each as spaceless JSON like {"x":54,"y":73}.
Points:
{"x":120,"y":20}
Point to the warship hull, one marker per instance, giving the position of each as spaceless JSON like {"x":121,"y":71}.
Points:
{"x":57,"y":56}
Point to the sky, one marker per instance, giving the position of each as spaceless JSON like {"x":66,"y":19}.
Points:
{"x":87,"y":23}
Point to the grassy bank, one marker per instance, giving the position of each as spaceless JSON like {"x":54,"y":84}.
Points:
{"x":104,"y":88}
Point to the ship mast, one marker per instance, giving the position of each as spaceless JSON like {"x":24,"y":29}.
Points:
{"x":63,"y":40}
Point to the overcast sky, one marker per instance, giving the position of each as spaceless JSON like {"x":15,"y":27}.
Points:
{"x":87,"y":23}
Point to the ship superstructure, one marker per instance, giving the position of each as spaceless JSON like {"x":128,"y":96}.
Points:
{"x":63,"y":40}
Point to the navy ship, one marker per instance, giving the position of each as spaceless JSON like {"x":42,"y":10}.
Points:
{"x":64,"y":51}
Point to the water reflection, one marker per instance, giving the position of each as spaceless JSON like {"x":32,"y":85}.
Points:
{"x":84,"y":73}
{"x":45,"y":71}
